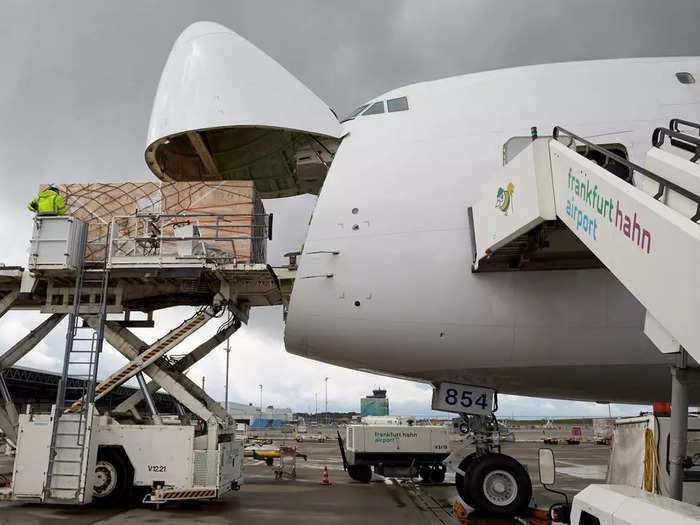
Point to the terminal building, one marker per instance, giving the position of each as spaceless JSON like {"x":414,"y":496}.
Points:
{"x":376,"y":404}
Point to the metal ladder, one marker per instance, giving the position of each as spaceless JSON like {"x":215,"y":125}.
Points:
{"x":69,"y":452}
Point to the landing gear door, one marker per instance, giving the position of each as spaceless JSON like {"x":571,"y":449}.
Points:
{"x":464,"y":399}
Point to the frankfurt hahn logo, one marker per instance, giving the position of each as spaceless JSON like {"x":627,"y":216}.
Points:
{"x":504,"y":198}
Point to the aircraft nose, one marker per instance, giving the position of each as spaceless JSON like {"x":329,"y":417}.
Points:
{"x":201,"y":28}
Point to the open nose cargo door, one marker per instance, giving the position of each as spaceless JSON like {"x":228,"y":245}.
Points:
{"x":224,"y":110}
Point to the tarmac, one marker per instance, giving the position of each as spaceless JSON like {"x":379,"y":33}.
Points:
{"x":263,"y":500}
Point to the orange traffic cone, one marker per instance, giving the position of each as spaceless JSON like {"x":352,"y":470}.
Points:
{"x":460,"y":512}
{"x":325,"y":481}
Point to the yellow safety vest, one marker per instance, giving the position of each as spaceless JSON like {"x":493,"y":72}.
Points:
{"x":48,"y":202}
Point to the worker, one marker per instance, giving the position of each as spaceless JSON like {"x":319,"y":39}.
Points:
{"x":48,"y":202}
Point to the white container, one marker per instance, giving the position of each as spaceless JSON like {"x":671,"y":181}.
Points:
{"x":56,"y":243}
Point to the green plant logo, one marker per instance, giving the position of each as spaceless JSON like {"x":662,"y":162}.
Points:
{"x":504,"y":198}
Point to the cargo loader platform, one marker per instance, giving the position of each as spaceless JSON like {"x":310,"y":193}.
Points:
{"x":132,"y":264}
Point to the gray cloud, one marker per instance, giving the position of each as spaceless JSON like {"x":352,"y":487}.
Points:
{"x":78,"y":78}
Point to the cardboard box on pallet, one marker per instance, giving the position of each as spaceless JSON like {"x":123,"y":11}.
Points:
{"x":230,"y":209}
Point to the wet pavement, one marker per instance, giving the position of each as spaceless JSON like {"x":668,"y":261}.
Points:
{"x":262,"y":500}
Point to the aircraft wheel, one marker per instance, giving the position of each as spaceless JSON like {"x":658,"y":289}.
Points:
{"x":112,"y":478}
{"x":460,"y":482}
{"x":425,"y":473}
{"x":437,"y":473}
{"x":498,"y":485}
{"x":361,"y":473}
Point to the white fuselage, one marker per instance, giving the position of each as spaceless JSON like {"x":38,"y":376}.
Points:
{"x":399,"y":297}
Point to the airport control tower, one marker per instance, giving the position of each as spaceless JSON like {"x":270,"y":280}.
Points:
{"x":376,"y":404}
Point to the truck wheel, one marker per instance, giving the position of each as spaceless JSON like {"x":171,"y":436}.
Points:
{"x":460,"y":482}
{"x":113,"y":479}
{"x":499,"y":485}
{"x":361,"y":473}
{"x":437,"y":473}
{"x":425,"y":473}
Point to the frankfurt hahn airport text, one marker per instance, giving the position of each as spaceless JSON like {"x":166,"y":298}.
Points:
{"x":598,"y":207}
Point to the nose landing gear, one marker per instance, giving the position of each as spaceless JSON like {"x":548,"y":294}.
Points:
{"x":485,"y":479}
{"x":497,"y":484}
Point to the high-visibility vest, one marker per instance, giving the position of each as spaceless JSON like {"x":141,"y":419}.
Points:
{"x":48,"y":202}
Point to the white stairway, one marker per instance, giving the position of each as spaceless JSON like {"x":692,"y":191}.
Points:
{"x":645,"y":233}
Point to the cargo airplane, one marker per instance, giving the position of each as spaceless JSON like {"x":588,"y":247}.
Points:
{"x":385,"y":282}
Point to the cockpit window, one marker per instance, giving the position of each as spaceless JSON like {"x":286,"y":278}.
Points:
{"x":355,"y":113}
{"x":392,"y":105}
{"x":375,"y":109}
{"x":397,"y":104}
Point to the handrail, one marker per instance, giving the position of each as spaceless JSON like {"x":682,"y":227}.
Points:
{"x":678,"y":139}
{"x":187,"y":215}
{"x":663,"y":183}
{"x":673,"y":124}
{"x":151,"y":234}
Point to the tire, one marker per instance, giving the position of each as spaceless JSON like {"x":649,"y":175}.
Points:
{"x":498,"y":485}
{"x":361,"y":473}
{"x":425,"y":473}
{"x":438,"y":473}
{"x":269,"y":461}
{"x":113,"y":477}
{"x":460,"y":480}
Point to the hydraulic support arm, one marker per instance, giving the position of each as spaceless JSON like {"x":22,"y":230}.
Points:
{"x":141,"y":361}
{"x":182,"y":365}
{"x":29,"y":341}
{"x":176,"y":383}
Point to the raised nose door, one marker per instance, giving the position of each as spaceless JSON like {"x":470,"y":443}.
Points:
{"x":224,"y":110}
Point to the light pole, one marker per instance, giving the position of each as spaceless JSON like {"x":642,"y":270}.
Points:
{"x":326,"y":380}
{"x":316,"y":406}
{"x":228,"y":351}
{"x":260,"y":387}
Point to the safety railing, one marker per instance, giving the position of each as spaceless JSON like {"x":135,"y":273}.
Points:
{"x":679,"y":138}
{"x":657,"y":140}
{"x":220,"y":239}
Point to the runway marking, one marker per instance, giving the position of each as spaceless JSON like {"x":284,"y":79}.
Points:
{"x":585,"y":471}
{"x":559,"y":460}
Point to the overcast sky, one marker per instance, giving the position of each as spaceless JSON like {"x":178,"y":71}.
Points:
{"x":77,"y":80}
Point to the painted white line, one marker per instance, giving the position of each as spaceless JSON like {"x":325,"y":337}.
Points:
{"x":559,"y":460}
{"x":585,"y":471}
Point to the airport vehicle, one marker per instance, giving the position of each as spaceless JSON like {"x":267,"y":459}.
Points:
{"x":575,"y":438}
{"x":164,"y":463}
{"x":395,"y":451}
{"x":641,"y":454}
{"x":386,"y":420}
{"x":603,"y":430}
{"x":267,"y":452}
{"x":613,"y":504}
{"x":434,"y":208}
{"x":74,"y":454}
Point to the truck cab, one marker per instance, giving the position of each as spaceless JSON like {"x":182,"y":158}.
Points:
{"x":614,"y":504}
